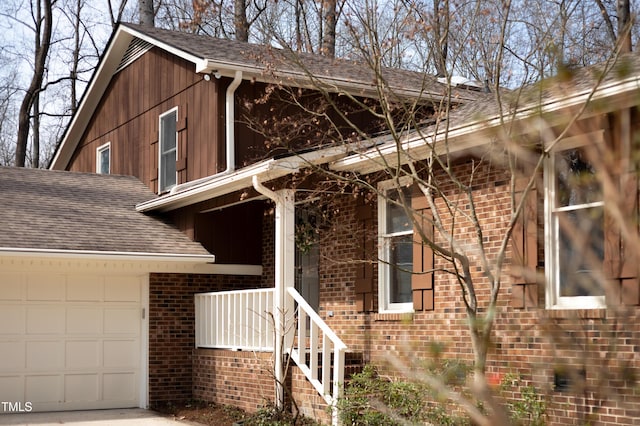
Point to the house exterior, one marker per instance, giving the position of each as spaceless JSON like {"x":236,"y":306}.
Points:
{"x":175,"y":111}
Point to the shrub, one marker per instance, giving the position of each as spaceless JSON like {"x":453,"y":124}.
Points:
{"x":372,"y":400}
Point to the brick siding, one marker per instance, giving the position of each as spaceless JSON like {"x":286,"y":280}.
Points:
{"x":533,"y":342}
{"x":172,"y":329}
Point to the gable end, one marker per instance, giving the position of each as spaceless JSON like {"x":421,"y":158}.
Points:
{"x":136,"y":49}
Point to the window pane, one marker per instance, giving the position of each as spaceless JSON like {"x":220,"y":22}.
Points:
{"x":104,"y":161}
{"x":397,"y":219}
{"x":168,"y":170}
{"x":401,"y":265}
{"x":577,"y":181}
{"x":168,"y":151}
{"x":581,"y":251}
{"x":168,"y":132}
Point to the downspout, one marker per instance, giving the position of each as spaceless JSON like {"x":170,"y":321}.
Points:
{"x":231,"y":119}
{"x":284,"y":265}
{"x":230,"y":135}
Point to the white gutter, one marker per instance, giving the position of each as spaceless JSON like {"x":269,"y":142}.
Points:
{"x":222,"y":184}
{"x":108,"y":255}
{"x":301,"y":78}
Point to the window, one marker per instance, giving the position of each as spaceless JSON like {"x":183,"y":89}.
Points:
{"x":574,"y":228}
{"x":168,"y":151}
{"x":395,"y":231}
{"x":103,"y":159}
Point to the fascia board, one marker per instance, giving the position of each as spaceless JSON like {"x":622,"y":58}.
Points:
{"x":302,"y":80}
{"x":107,"y":255}
{"x":476,"y":134}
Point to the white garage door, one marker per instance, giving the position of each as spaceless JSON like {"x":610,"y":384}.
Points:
{"x":70,"y":341}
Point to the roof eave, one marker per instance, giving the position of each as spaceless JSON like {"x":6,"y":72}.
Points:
{"x":226,"y":183}
{"x":469,"y":136}
{"x":108,"y":255}
{"x":304,"y":80}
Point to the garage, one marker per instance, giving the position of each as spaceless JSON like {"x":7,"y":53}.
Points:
{"x":72,"y":341}
{"x":75,"y":261}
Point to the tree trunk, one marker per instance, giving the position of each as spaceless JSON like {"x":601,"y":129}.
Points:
{"x":240,"y":20}
{"x":42,"y":44}
{"x":35,"y":143}
{"x":147,"y":14}
{"x":329,"y":35}
{"x":624,"y":25}
{"x":441,"y":35}
{"x":76,"y":57}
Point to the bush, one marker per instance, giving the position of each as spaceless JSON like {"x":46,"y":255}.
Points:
{"x":370,"y":399}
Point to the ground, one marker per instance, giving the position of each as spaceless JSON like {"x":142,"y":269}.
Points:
{"x":208,"y":413}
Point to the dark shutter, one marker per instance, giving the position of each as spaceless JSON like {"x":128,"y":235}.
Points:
{"x":620,"y":261}
{"x":422,"y":279}
{"x":620,"y":264}
{"x":364,"y":276}
{"x":181,"y":144}
{"x":524,"y":249}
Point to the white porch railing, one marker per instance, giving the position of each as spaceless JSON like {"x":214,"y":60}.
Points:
{"x":243,"y":320}
{"x":332,"y":347}
{"x":235,"y":320}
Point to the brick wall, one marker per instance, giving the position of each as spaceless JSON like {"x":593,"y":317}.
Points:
{"x":245,"y":380}
{"x":237,"y":378}
{"x":172,"y":329}
{"x":534,"y":343}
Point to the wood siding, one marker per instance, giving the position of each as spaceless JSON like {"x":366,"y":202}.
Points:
{"x":128,"y":116}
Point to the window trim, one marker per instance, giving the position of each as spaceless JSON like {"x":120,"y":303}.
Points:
{"x":551,"y":229}
{"x":164,"y":188}
{"x":384,"y":288}
{"x":99,"y":151}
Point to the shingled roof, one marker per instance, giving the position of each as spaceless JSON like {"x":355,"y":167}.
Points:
{"x":82,"y":212}
{"x":299,"y":68}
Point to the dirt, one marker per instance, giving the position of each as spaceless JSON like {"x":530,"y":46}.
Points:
{"x":202,"y":412}
{"x":208,"y":413}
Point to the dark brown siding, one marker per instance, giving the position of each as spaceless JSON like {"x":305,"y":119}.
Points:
{"x":128,"y":118}
{"x":233,"y":234}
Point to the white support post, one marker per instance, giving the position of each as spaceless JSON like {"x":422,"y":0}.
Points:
{"x":284,"y":277}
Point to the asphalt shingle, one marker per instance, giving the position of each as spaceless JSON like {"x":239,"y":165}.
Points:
{"x":56,"y":210}
{"x":273,"y":60}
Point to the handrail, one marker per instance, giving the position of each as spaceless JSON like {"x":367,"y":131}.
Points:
{"x":239,"y":319}
{"x":329,"y":340}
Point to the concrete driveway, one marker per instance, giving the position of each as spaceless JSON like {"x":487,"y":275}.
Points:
{"x":120,"y":417}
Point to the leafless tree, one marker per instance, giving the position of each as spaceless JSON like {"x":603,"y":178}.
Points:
{"x":42,"y":21}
